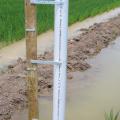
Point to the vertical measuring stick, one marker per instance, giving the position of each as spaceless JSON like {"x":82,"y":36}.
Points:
{"x":60,"y":54}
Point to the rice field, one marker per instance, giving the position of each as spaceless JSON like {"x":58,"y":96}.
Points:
{"x":12,"y":16}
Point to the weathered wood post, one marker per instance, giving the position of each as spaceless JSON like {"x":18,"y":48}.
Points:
{"x":31,"y":53}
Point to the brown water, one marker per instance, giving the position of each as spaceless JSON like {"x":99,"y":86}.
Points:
{"x":90,"y":93}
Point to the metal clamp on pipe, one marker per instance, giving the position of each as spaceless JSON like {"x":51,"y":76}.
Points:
{"x":31,"y":69}
{"x":46,"y":62}
{"x":30,"y":30}
{"x":49,"y":2}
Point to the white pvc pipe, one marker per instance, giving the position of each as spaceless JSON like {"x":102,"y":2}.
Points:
{"x":60,"y":54}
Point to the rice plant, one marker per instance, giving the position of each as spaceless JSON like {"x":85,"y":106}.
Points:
{"x":12,"y":16}
{"x":111,"y":115}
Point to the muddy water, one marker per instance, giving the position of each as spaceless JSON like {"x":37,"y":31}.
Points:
{"x":91,"y":93}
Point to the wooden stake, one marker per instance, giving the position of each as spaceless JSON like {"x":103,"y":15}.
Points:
{"x":31,"y":53}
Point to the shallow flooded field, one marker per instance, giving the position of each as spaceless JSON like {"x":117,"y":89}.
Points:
{"x":90,"y":93}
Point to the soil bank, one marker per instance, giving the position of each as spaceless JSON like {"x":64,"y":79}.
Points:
{"x":9,"y":54}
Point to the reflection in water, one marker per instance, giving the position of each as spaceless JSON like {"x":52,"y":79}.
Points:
{"x":92,"y":92}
